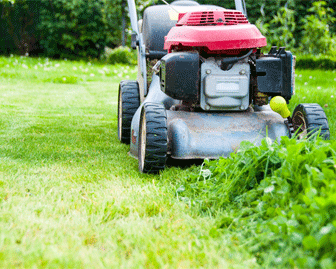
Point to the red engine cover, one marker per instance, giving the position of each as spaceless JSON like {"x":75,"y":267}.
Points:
{"x":215,"y":32}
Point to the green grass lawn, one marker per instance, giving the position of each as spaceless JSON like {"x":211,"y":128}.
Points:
{"x":71,"y":196}
{"x":317,"y":87}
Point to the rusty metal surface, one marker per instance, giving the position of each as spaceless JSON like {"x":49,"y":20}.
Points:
{"x":199,"y":135}
{"x":211,"y":135}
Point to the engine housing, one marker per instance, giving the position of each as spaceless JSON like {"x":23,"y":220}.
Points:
{"x":225,"y":90}
{"x":275,"y":73}
{"x":214,"y":63}
{"x":214,"y":32}
{"x":180,"y":75}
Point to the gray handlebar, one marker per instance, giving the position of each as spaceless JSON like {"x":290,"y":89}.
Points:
{"x":240,"y":5}
{"x":133,"y":16}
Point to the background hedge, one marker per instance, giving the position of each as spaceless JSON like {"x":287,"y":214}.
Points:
{"x":60,"y":28}
{"x":83,"y":28}
{"x":316,"y":62}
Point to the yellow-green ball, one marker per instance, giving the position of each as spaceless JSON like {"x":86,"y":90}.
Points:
{"x":278,"y":104}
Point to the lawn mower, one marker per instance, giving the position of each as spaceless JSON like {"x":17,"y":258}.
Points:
{"x":204,"y":86}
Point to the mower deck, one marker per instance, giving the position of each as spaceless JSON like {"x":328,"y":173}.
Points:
{"x":211,"y":135}
{"x":199,"y":135}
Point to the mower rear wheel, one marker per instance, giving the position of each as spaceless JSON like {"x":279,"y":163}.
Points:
{"x":152,"y":146}
{"x":128,"y":103}
{"x":309,"y":119}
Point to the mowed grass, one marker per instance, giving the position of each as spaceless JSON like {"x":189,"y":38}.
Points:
{"x":71,"y":196}
{"x":316,"y":86}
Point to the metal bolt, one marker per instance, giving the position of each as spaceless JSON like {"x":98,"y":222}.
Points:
{"x":242,"y":107}
{"x":242,"y":72}
{"x":208,"y":71}
{"x":207,"y":107}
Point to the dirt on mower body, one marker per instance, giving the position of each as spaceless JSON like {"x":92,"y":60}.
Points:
{"x":204,"y":86}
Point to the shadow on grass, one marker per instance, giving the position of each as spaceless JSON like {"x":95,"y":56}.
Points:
{"x":183,"y":163}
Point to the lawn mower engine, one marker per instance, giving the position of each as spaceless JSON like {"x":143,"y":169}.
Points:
{"x":214,"y":63}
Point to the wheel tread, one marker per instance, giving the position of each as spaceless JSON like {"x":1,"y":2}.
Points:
{"x":129,"y":90}
{"x":316,"y":119}
{"x":156,"y":139}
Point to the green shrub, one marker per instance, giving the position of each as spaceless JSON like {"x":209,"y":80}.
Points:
{"x":317,"y":37}
{"x":316,"y":62}
{"x":72,"y":29}
{"x":60,"y":28}
{"x":280,"y":30}
{"x":120,"y":55}
{"x":18,"y":27}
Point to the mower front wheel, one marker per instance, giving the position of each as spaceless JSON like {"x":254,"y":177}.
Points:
{"x":152,"y":146}
{"x":128,"y":103}
{"x":309,"y":119}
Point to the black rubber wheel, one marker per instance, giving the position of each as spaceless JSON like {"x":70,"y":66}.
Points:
{"x":309,"y":119}
{"x":152,"y":146}
{"x":128,"y":103}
